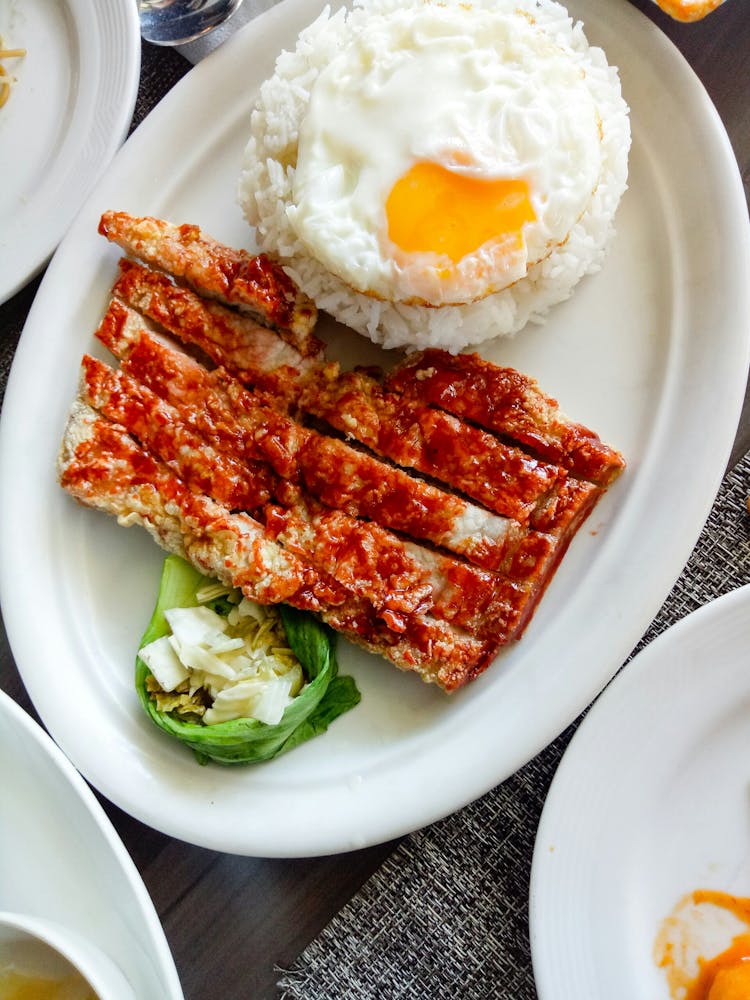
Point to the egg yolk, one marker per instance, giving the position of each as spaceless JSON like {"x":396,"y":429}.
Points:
{"x":725,"y":976}
{"x":432,"y":209}
{"x":730,"y":982}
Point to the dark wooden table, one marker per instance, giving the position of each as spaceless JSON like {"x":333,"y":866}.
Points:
{"x":263,"y":912}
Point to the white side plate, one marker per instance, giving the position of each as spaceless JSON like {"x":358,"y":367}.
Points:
{"x":61,"y":859}
{"x":649,"y":803}
{"x":67,"y":115}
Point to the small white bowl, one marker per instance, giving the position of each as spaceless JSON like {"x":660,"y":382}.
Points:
{"x":43,"y":948}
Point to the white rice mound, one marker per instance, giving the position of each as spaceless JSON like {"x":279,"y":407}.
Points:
{"x":267,"y":179}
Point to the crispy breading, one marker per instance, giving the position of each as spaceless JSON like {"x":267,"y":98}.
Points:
{"x":428,"y":536}
{"x":365,"y":486}
{"x":398,"y":578}
{"x":255,"y":352}
{"x":510,"y":403}
{"x":356,"y":482}
{"x":103,"y":467}
{"x":252,"y":283}
{"x":500,"y":476}
{"x":157,"y":425}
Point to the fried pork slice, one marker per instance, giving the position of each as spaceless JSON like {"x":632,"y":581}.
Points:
{"x":369,"y":560}
{"x":104,"y":468}
{"x":231,"y":418}
{"x":254,"y":284}
{"x":509,"y":403}
{"x":258,"y":354}
{"x":375,"y":568}
{"x":363,"y":486}
{"x":396,"y":577}
{"x":434,"y":650}
{"x":238,"y":485}
{"x":501,"y":477}
{"x":504,"y":479}
{"x":563,"y":512}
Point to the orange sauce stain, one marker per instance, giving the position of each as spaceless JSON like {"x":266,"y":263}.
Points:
{"x":723,"y":976}
{"x":688,"y":10}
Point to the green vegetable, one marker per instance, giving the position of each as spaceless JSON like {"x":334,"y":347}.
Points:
{"x":242,"y":741}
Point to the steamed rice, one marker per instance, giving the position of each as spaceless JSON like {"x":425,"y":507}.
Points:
{"x":267,"y":179}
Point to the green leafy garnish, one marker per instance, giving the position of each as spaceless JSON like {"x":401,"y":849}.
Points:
{"x":324,"y":697}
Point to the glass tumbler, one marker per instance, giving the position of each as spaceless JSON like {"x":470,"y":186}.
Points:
{"x":175,"y":22}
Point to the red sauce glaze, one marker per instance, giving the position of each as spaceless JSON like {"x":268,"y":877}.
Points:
{"x":156,"y":425}
{"x":529,"y":559}
{"x":338,"y":475}
{"x":562,"y":512}
{"x":362,"y":485}
{"x":364,"y":562}
{"x":264,"y":283}
{"x":503,"y":478}
{"x":107,"y":461}
{"x":451,"y":663}
{"x":225,"y":271}
{"x":510,"y":403}
{"x":361,"y":556}
{"x":183,"y":314}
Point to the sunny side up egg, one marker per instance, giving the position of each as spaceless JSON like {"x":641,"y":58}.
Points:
{"x":443,"y":152}
{"x":436,"y":173}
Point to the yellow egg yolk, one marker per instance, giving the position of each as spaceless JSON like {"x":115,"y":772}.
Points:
{"x":730,"y":982}
{"x":726,"y":976}
{"x":434,"y":210}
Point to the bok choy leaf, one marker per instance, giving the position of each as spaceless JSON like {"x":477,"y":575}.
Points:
{"x":324,"y":696}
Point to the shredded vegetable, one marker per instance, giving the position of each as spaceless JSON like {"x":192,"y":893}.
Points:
{"x":236,"y":681}
{"x":223,"y":668}
{"x":6,"y":80}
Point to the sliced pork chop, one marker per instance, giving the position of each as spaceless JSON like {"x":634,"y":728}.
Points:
{"x":254,"y":284}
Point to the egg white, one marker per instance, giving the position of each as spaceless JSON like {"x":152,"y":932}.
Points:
{"x":478,"y":91}
{"x":268,"y":182}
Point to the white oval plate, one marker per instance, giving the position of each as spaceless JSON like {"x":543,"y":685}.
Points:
{"x":649,"y":803}
{"x":61,"y":859}
{"x":652,"y":352}
{"x":67,"y":115}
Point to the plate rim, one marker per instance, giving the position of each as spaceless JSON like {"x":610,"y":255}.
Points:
{"x":304,"y":844}
{"x":29,"y":733}
{"x":640,"y":672}
{"x":116,"y":23}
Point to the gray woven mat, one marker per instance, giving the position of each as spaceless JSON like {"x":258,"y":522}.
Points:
{"x":446,"y":916}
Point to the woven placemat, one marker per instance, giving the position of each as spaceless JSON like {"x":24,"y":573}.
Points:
{"x":446,"y":916}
